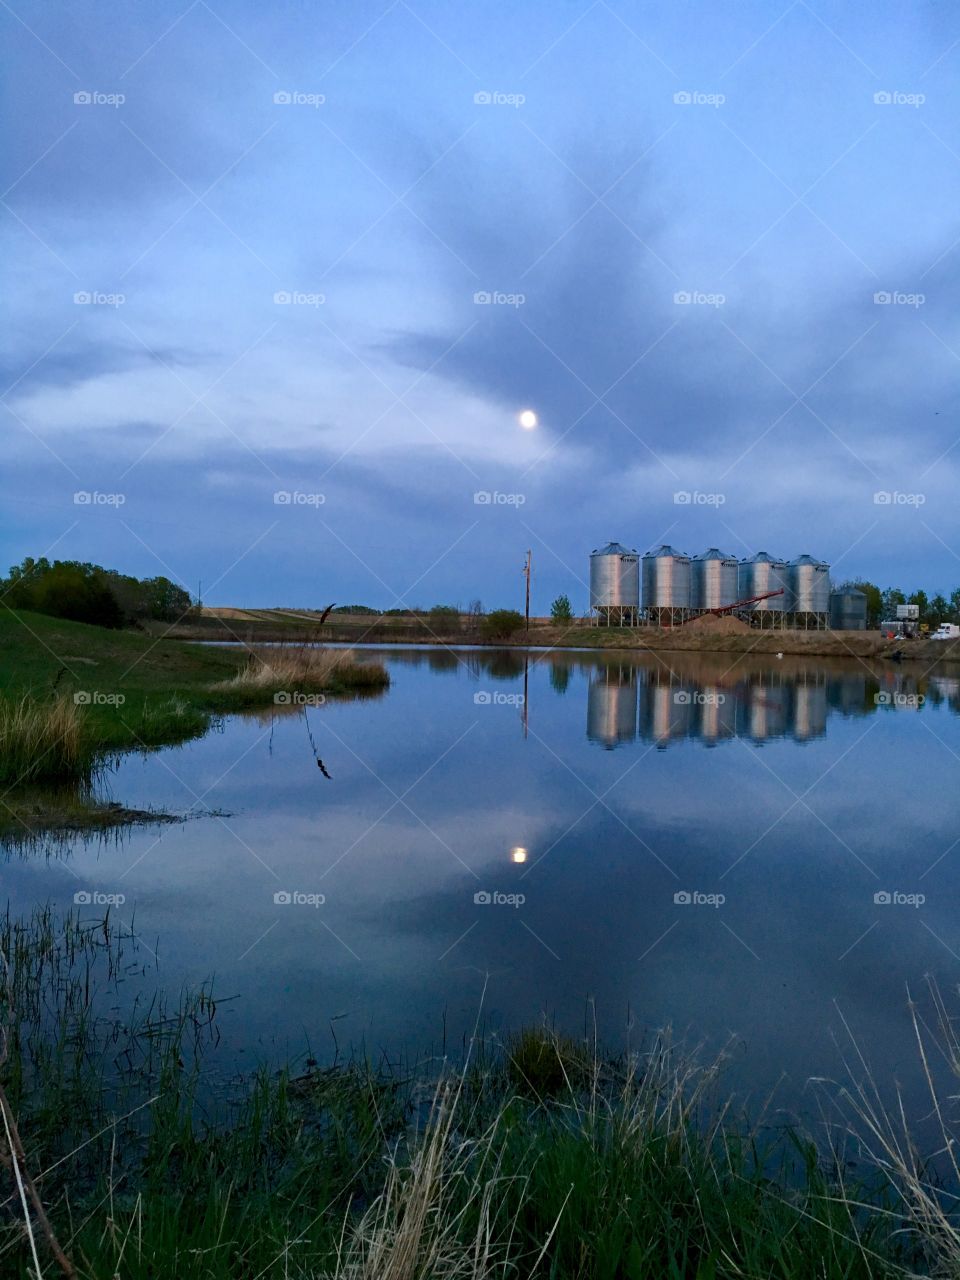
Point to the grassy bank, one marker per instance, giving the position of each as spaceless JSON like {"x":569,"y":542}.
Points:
{"x":537,"y":1158}
{"x":267,"y":626}
{"x":72,"y":695}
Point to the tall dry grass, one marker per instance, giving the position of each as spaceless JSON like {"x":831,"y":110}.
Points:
{"x":304,"y":669}
{"x":42,"y":741}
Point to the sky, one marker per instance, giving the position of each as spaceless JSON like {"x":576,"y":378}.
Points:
{"x":280,"y":279}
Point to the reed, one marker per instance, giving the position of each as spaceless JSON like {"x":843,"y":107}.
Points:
{"x":41,"y":740}
{"x":302,"y":669}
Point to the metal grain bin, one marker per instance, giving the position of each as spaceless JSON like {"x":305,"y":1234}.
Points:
{"x":760,"y":574}
{"x":714,"y":580}
{"x":809,"y":586}
{"x":848,"y":610}
{"x":666,"y":579}
{"x":614,"y":578}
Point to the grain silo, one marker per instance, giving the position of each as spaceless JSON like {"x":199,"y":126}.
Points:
{"x":714,"y":580}
{"x":809,"y":593}
{"x":666,"y":586}
{"x":614,"y":585}
{"x":758,"y":576}
{"x":848,"y":610}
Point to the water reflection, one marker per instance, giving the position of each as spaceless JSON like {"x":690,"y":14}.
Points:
{"x":667,"y":704}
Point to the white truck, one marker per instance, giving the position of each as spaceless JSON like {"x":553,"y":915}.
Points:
{"x":946,"y":631}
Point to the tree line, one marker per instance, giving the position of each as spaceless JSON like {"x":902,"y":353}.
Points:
{"x":85,"y":592}
{"x":882,"y":605}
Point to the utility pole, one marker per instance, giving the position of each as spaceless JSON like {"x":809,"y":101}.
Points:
{"x":526,"y":574}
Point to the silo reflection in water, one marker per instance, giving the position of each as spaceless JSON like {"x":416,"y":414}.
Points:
{"x":767,"y":708}
{"x":612,"y":707}
{"x":716,"y":714}
{"x":809,"y":708}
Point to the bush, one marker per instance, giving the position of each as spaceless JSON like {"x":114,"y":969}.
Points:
{"x":443,"y":617}
{"x":501,"y":624}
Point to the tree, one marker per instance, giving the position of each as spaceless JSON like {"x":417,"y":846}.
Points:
{"x":919,"y":598}
{"x":561,"y":610}
{"x":501,"y":624}
{"x":891,"y":598}
{"x":955,"y":605}
{"x":444,"y":617}
{"x":939,"y":610}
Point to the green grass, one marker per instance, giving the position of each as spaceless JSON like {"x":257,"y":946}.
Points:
{"x":151,"y":1164}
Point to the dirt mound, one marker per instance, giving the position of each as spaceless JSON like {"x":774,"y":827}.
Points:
{"x":725,"y":625}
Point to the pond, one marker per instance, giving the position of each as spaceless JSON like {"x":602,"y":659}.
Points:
{"x":758,"y":848}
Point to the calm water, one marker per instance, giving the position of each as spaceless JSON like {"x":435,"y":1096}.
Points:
{"x":467,"y":841}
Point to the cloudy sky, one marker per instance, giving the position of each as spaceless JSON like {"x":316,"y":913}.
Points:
{"x":328,"y":252}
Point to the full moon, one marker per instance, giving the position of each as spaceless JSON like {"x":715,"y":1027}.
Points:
{"x":528,"y":419}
